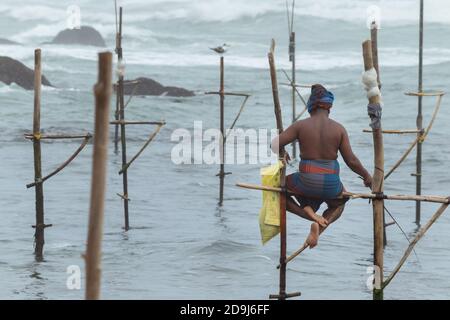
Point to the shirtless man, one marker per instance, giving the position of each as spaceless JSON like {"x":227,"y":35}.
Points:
{"x":320,"y":138}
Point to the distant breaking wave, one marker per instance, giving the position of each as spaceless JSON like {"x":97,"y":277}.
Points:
{"x":392,"y":11}
{"x":306,"y":59}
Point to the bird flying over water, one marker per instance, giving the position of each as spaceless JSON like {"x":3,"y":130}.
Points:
{"x":220,"y":49}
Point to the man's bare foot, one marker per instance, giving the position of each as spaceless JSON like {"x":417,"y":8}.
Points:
{"x":313,"y":237}
{"x":320,"y":220}
{"x":315,"y":217}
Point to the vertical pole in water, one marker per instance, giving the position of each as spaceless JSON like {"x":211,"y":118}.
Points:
{"x":374,"y":43}
{"x":102,"y":92}
{"x":377,"y":188}
{"x":222,"y":131}
{"x":283,"y":226}
{"x":294,"y":112}
{"x":418,"y":173}
{"x":119,"y":61}
{"x":40,"y":226}
{"x":120,"y":93}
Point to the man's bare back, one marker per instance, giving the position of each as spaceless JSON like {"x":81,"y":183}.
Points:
{"x":320,"y":138}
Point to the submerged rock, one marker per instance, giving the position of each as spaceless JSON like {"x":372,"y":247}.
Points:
{"x":150,"y":87}
{"x":15,"y":71}
{"x":85,"y":36}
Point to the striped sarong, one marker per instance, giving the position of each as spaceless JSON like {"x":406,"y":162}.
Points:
{"x":316,"y":182}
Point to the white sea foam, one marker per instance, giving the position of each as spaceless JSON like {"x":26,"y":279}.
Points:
{"x":306,"y":60}
{"x":392,"y":11}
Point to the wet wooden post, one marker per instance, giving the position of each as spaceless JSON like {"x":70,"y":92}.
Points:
{"x":119,"y":61}
{"x":377,"y":187}
{"x":123,"y":140}
{"x":282,"y":295}
{"x":283,"y":226}
{"x":39,"y":190}
{"x":418,"y":173}
{"x":222,"y":130}
{"x":294,"y":108}
{"x":102,"y":91}
{"x":374,"y":43}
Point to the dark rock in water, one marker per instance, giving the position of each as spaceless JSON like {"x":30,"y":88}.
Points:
{"x":6,"y":41}
{"x":150,"y":87}
{"x":85,"y":36}
{"x":15,"y":71}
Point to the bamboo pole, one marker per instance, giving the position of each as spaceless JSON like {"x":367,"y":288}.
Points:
{"x":228,"y":93}
{"x":222,"y":131}
{"x":119,"y":90}
{"x":419,"y":120}
{"x":58,"y":136}
{"x":102,"y":92}
{"x":425,"y":94}
{"x":39,"y":190}
{"x":423,"y":135}
{"x":295,"y":86}
{"x":418,"y":236}
{"x":294,"y":89}
{"x":283,"y":226}
{"x":282,"y":295}
{"x":354,"y":195}
{"x":121,"y":119}
{"x":394,"y":131}
{"x":238,"y":115}
{"x":150,"y":139}
{"x":158,"y":123}
{"x":377,"y":187}
{"x":374,"y":44}
{"x":298,"y":85}
{"x":63,"y":165}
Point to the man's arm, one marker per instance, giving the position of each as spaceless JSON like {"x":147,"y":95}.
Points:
{"x":286,"y":137}
{"x":351,"y":160}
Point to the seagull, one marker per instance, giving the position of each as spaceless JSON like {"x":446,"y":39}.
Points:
{"x":221,"y":49}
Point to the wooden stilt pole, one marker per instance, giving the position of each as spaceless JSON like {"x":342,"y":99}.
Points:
{"x":374,"y":42}
{"x":419,"y":120}
{"x":119,"y":61}
{"x":283,"y":226}
{"x":102,"y":92}
{"x":121,"y":117}
{"x":294,"y":89}
{"x":222,"y":131}
{"x":378,"y":185}
{"x":282,"y":295}
{"x":39,"y":190}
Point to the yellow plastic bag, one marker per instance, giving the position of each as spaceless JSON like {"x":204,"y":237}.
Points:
{"x":269,"y":215}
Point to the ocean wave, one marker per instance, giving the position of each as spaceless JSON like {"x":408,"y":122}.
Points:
{"x":307,"y":60}
{"x":392,"y":11}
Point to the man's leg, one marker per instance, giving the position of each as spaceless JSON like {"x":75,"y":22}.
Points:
{"x":307,"y":211}
{"x":293,"y":207}
{"x":331,"y":214}
{"x":334,"y":211}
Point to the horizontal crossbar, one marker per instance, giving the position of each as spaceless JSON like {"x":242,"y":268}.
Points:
{"x":229,"y":93}
{"x":395,"y":131}
{"x":157,"y":123}
{"x":425,"y":94}
{"x":30,"y":136}
{"x":352,"y":195}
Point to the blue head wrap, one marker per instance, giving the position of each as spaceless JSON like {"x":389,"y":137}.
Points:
{"x":320,"y":98}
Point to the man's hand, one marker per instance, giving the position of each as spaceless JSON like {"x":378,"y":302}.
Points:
{"x":368,"y":181}
{"x":286,"y":157}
